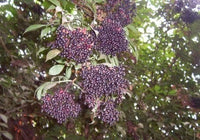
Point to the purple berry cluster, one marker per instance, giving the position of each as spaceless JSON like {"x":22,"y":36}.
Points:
{"x":60,"y":106}
{"x":185,"y":8}
{"x":108,"y":112}
{"x":89,"y":100}
{"x":189,"y":16}
{"x":76,"y":44}
{"x":121,"y":11}
{"x":110,"y":5}
{"x":101,"y":83}
{"x":111,"y":38}
{"x":103,"y":80}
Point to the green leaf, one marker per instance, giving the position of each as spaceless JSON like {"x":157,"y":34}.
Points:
{"x":48,"y":86}
{"x":52,"y":7}
{"x":4,"y":118}
{"x":121,"y":130}
{"x":4,"y":125}
{"x":60,"y":61}
{"x":78,"y":66}
{"x":55,"y":2}
{"x":56,"y":69}
{"x":42,"y":90}
{"x":63,"y":3}
{"x":45,"y":31}
{"x":39,"y":90}
{"x":7,"y":135}
{"x":51,"y":54}
{"x":102,"y":56}
{"x":157,"y":88}
{"x":99,"y":1}
{"x":172,"y":92}
{"x":68,"y":73}
{"x":40,"y":50}
{"x":116,"y":61}
{"x":34,"y":27}
{"x":133,"y":29}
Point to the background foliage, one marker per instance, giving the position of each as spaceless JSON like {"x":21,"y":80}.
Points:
{"x":163,"y":69}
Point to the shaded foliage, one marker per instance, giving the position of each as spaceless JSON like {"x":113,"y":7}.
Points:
{"x":163,"y":68}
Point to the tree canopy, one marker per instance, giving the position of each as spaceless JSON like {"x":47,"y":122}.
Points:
{"x":99,"y":69}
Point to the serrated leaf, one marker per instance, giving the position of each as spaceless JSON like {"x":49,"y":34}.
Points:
{"x":56,"y":69}
{"x":45,"y":31}
{"x":51,"y":54}
{"x":7,"y":135}
{"x":68,"y":73}
{"x":55,"y":2}
{"x":34,"y":27}
{"x":4,"y":118}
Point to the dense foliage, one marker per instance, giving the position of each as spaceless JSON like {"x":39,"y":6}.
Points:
{"x":97,"y":69}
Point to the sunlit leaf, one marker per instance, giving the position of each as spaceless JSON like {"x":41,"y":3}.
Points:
{"x":55,"y":2}
{"x":45,"y":31}
{"x":51,"y":54}
{"x":7,"y":135}
{"x":121,"y":130}
{"x":52,"y":7}
{"x":39,"y":90}
{"x":68,"y":72}
{"x":49,"y":86}
{"x":4,"y":118}
{"x":56,"y":69}
{"x":4,"y":125}
{"x":34,"y":27}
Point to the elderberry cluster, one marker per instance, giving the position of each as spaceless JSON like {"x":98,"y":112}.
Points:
{"x":121,"y":11}
{"x":111,"y":38}
{"x":76,"y":44}
{"x":103,"y":80}
{"x":189,"y":16}
{"x":60,"y":106}
{"x":108,"y":112}
{"x":100,"y":83}
{"x":178,"y":5}
{"x":185,"y":8}
{"x":90,"y":100}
